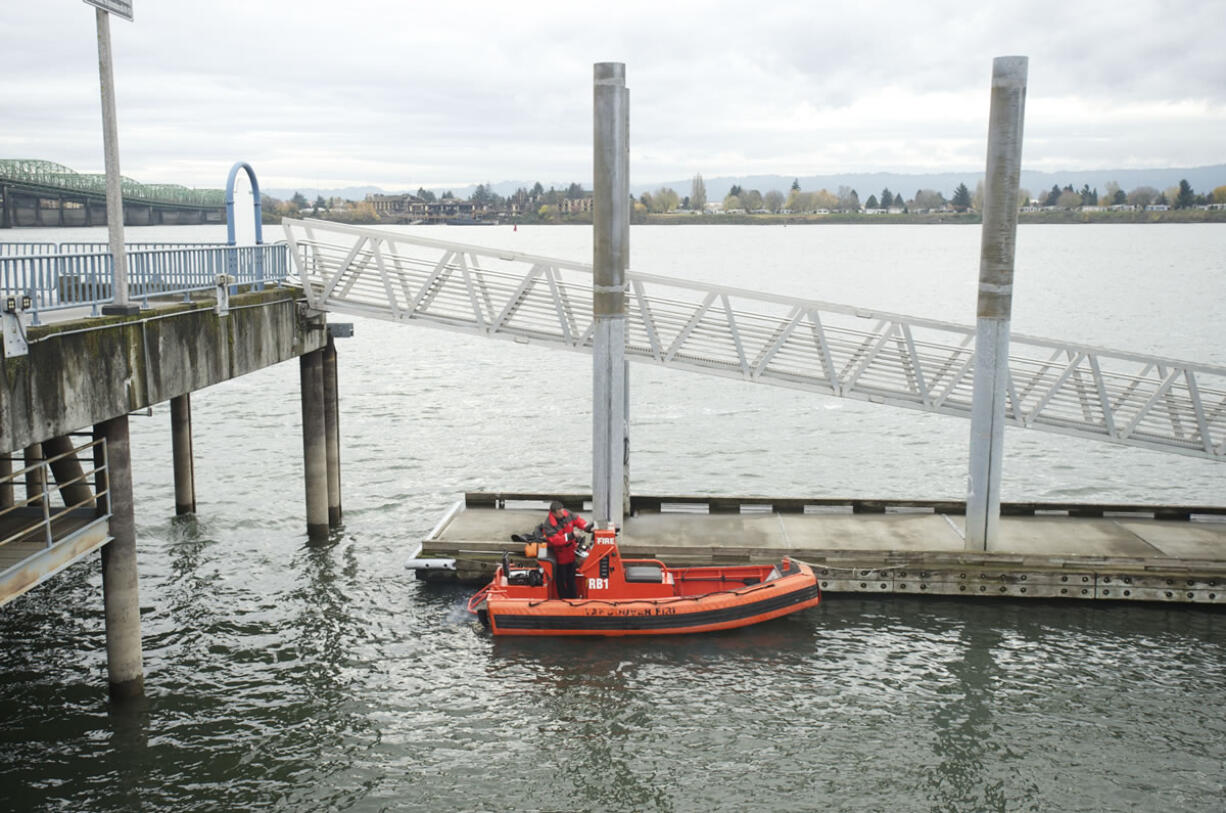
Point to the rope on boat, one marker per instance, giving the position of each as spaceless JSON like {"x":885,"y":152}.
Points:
{"x":652,"y":601}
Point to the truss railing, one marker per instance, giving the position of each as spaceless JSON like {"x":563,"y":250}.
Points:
{"x":1120,"y":397}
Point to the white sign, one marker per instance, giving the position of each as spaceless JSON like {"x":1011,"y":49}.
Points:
{"x":123,"y":8}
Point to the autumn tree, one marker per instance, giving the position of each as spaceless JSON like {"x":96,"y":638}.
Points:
{"x":665,"y":200}
{"x":929,"y":199}
{"x":1142,"y":196}
{"x":751,"y":200}
{"x":773,"y":200}
{"x":824,"y":199}
{"x":1068,"y":199}
{"x":849,"y":201}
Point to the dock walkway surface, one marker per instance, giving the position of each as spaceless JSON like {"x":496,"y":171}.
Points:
{"x":1045,"y":550}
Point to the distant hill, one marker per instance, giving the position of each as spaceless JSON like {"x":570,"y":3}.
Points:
{"x":346,"y":192}
{"x":1202,"y":179}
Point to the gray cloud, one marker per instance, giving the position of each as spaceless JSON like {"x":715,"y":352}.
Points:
{"x":406,"y":94}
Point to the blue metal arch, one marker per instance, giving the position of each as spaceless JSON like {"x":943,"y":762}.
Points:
{"x":255,"y":194}
{"x":259,"y":228}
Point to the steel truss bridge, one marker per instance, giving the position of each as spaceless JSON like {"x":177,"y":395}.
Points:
{"x":44,"y":193}
{"x":1088,"y":392}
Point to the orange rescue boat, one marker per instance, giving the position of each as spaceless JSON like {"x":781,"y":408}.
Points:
{"x":640,"y":596}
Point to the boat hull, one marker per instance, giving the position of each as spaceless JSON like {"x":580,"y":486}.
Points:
{"x":663,"y":616}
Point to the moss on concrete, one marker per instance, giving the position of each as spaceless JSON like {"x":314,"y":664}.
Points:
{"x":86,"y":371}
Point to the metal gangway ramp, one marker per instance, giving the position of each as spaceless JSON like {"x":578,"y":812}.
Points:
{"x":1120,"y":397}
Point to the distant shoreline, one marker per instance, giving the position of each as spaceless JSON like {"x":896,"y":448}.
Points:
{"x":1061,"y":217}
{"x":1070,"y":216}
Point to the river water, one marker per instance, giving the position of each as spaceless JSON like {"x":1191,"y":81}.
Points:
{"x":287,"y":676}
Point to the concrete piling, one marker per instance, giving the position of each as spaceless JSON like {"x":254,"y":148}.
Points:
{"x":611,"y":232}
{"x":120,"y":582}
{"x":314,"y":445}
{"x":75,"y":490}
{"x":6,"y":482}
{"x":332,"y":432}
{"x":36,"y":478}
{"x":996,"y":258}
{"x":181,"y":445}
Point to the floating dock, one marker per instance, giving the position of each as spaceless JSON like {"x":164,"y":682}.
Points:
{"x":1048,"y":550}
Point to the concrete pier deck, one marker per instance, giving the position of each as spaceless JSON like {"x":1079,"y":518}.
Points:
{"x":1046,"y":550}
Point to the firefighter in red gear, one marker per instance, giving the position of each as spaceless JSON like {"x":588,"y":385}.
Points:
{"x":559,"y":531}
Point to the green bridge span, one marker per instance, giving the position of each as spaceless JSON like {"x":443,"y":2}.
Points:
{"x":36,"y":193}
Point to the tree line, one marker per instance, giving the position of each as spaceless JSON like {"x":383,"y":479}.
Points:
{"x":846,"y":199}
{"x":536,"y":203}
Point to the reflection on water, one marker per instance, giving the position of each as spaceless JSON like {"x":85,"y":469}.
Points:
{"x":303,"y":677}
{"x":348,"y":688}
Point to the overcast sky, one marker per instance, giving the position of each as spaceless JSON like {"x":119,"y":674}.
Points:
{"x":407,"y":93}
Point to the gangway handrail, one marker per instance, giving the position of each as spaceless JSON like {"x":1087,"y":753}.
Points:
{"x":1121,"y":397}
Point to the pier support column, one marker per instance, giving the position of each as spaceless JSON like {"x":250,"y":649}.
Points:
{"x":332,"y":432}
{"x":75,"y":490}
{"x":36,"y":479}
{"x":996,"y":256}
{"x":181,"y":445}
{"x":6,"y":482}
{"x":120,"y":582}
{"x":314,"y":445}
{"x":611,"y":233}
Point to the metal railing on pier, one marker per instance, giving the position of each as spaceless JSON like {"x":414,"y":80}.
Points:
{"x":80,"y":274}
{"x":1115,"y":396}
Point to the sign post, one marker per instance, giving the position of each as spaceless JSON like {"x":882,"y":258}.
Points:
{"x":103,"y":9}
